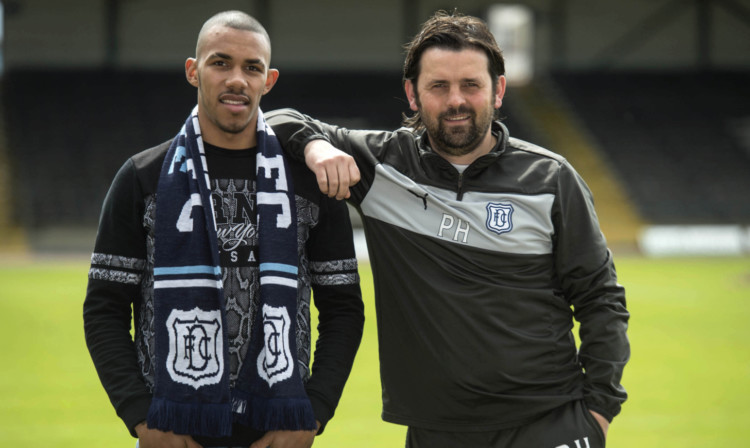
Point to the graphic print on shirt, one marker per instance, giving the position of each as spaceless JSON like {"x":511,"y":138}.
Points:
{"x":235,"y":209}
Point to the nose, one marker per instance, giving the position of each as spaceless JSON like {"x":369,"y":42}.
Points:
{"x":236,"y":79}
{"x":456,"y":97}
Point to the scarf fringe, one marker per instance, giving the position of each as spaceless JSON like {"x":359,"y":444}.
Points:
{"x":212,"y":420}
{"x":271,"y":414}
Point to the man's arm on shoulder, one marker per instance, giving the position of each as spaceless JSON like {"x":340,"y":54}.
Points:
{"x":308,"y":140}
{"x":335,"y":170}
{"x":301,"y":136}
{"x":295,"y":130}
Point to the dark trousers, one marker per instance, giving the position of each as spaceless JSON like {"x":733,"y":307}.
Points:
{"x":569,"y":426}
{"x":242,"y":436}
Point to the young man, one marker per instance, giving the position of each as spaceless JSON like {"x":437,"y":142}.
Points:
{"x":215,"y":241}
{"x":480,"y":244}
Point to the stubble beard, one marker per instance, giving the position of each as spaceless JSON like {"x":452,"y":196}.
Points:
{"x":231,"y":126}
{"x":236,"y":128}
{"x":227,"y":126}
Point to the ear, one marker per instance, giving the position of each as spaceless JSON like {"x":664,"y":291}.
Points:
{"x":271,"y":77}
{"x":191,"y":71}
{"x":411,"y":94}
{"x":499,"y":92}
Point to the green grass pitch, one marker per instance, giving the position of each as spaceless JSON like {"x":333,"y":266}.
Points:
{"x":688,"y":380}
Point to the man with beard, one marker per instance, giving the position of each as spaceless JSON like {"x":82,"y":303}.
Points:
{"x":215,"y":240}
{"x":484,"y":248}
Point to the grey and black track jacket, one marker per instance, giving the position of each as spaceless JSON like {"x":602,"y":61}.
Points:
{"x":478,"y":277}
{"x":122,"y":275}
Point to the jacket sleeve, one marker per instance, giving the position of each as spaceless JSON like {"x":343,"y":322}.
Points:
{"x":295,"y":130}
{"x":113,"y":288}
{"x":337,"y":297}
{"x":589,"y":281}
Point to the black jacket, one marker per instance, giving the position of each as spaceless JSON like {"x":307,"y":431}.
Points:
{"x":478,"y":276}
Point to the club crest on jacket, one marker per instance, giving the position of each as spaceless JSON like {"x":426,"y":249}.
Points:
{"x":499,"y":217}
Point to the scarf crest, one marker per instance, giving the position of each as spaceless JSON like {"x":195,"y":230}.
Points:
{"x":191,"y":392}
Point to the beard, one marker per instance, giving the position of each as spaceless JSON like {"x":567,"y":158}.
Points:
{"x":457,"y":140}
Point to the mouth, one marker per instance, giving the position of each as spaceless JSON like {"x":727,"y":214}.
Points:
{"x":456,"y":118}
{"x":234,"y":101}
{"x":459,"y":121}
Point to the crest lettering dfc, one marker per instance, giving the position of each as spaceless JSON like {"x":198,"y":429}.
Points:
{"x":499,"y":217}
{"x":195,"y":347}
{"x":275,"y":361}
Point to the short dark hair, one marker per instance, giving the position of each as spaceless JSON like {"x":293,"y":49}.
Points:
{"x":237,"y":20}
{"x":452,"y":31}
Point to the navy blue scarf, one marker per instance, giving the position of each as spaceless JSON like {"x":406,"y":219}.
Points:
{"x":192,"y":393}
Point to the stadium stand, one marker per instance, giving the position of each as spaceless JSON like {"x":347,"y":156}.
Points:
{"x":677,"y":149}
{"x":676,"y":138}
{"x":69,"y":131}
